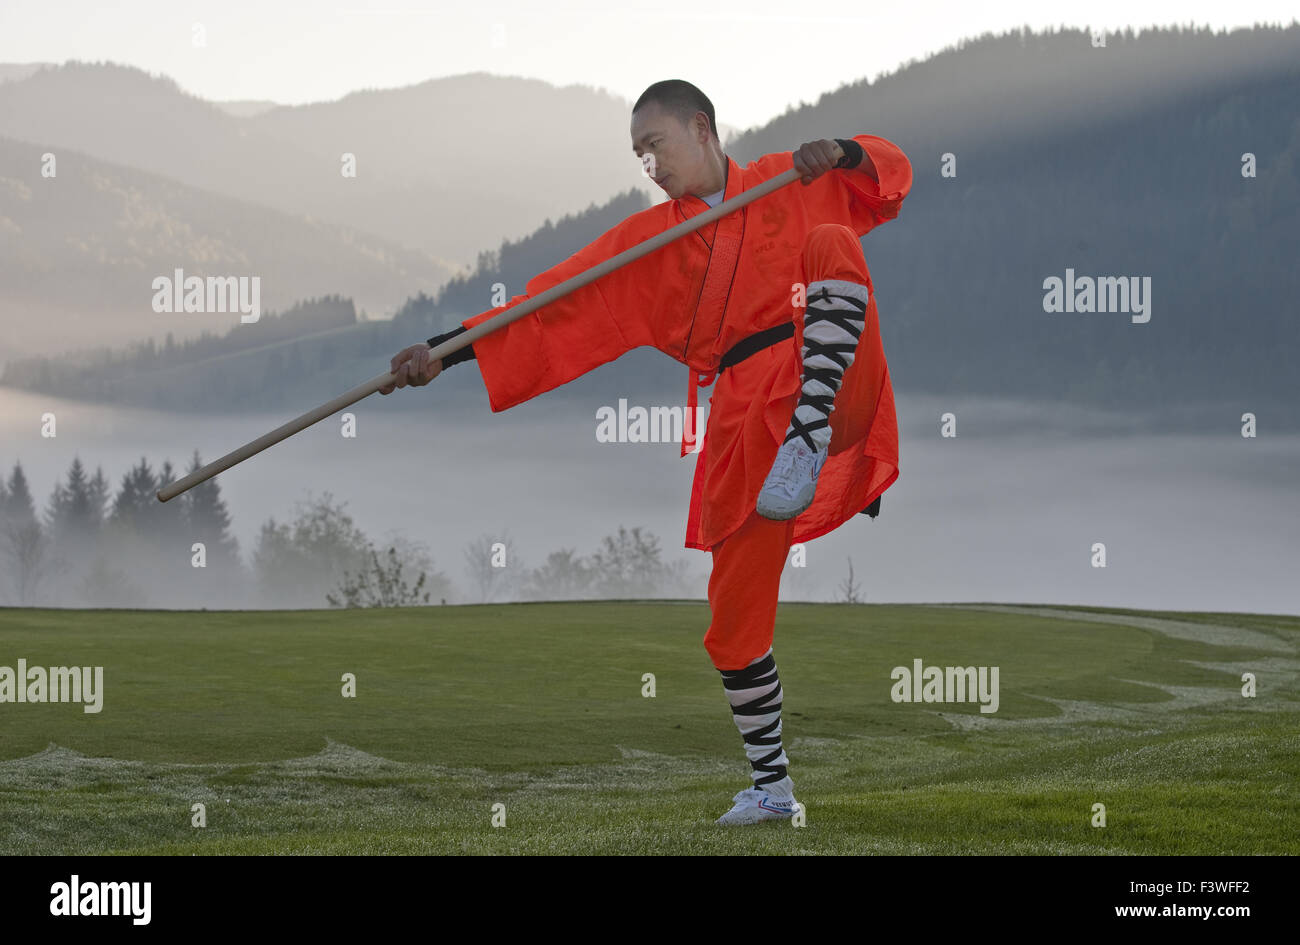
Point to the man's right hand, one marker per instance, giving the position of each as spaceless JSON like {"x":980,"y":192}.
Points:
{"x":413,"y":367}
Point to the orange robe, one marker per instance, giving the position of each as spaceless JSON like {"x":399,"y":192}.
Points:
{"x":695,"y":298}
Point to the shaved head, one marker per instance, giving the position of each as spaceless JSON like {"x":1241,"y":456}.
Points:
{"x":680,"y":99}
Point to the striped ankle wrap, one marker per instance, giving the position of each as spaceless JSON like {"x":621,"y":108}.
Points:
{"x":755,"y":697}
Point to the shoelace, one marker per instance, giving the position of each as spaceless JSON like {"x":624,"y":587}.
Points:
{"x":803,"y":462}
{"x":796,"y":467}
{"x":783,"y":471}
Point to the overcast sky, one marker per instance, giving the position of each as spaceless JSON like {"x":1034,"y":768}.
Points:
{"x":752,"y":65}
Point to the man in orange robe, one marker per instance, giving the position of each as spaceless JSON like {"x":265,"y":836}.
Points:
{"x":729,"y":301}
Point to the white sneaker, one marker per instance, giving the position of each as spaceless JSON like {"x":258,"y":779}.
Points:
{"x":792,"y":483}
{"x":753,"y":805}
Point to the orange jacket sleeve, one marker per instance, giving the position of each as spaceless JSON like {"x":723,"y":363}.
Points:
{"x":555,"y":344}
{"x":870,"y":202}
{"x":873,"y":203}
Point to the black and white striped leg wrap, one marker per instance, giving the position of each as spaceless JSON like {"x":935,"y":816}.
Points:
{"x":755,"y":696}
{"x":832,"y":325}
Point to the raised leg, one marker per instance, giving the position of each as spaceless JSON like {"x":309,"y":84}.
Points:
{"x":838,"y":294}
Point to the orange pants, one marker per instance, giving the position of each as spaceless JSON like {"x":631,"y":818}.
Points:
{"x":747,"y":564}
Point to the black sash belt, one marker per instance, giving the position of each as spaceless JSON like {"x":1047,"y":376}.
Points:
{"x":765,"y":339}
{"x":756,"y":343}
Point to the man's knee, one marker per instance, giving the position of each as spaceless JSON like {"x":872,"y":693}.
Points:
{"x":834,"y":251}
{"x":831,"y":233}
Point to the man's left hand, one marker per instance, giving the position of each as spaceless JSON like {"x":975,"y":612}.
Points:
{"x":815,"y":158}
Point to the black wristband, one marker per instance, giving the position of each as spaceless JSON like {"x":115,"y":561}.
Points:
{"x":464,"y":354}
{"x":852,"y":153}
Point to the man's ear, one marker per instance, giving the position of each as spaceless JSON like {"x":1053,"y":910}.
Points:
{"x":702,"y":127}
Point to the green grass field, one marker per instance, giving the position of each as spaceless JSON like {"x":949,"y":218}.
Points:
{"x":539,"y":707}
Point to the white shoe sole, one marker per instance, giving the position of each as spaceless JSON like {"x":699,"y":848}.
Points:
{"x":772,"y":507}
{"x":754,"y":815}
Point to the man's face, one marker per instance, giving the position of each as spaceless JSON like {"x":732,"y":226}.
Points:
{"x":678,"y":150}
